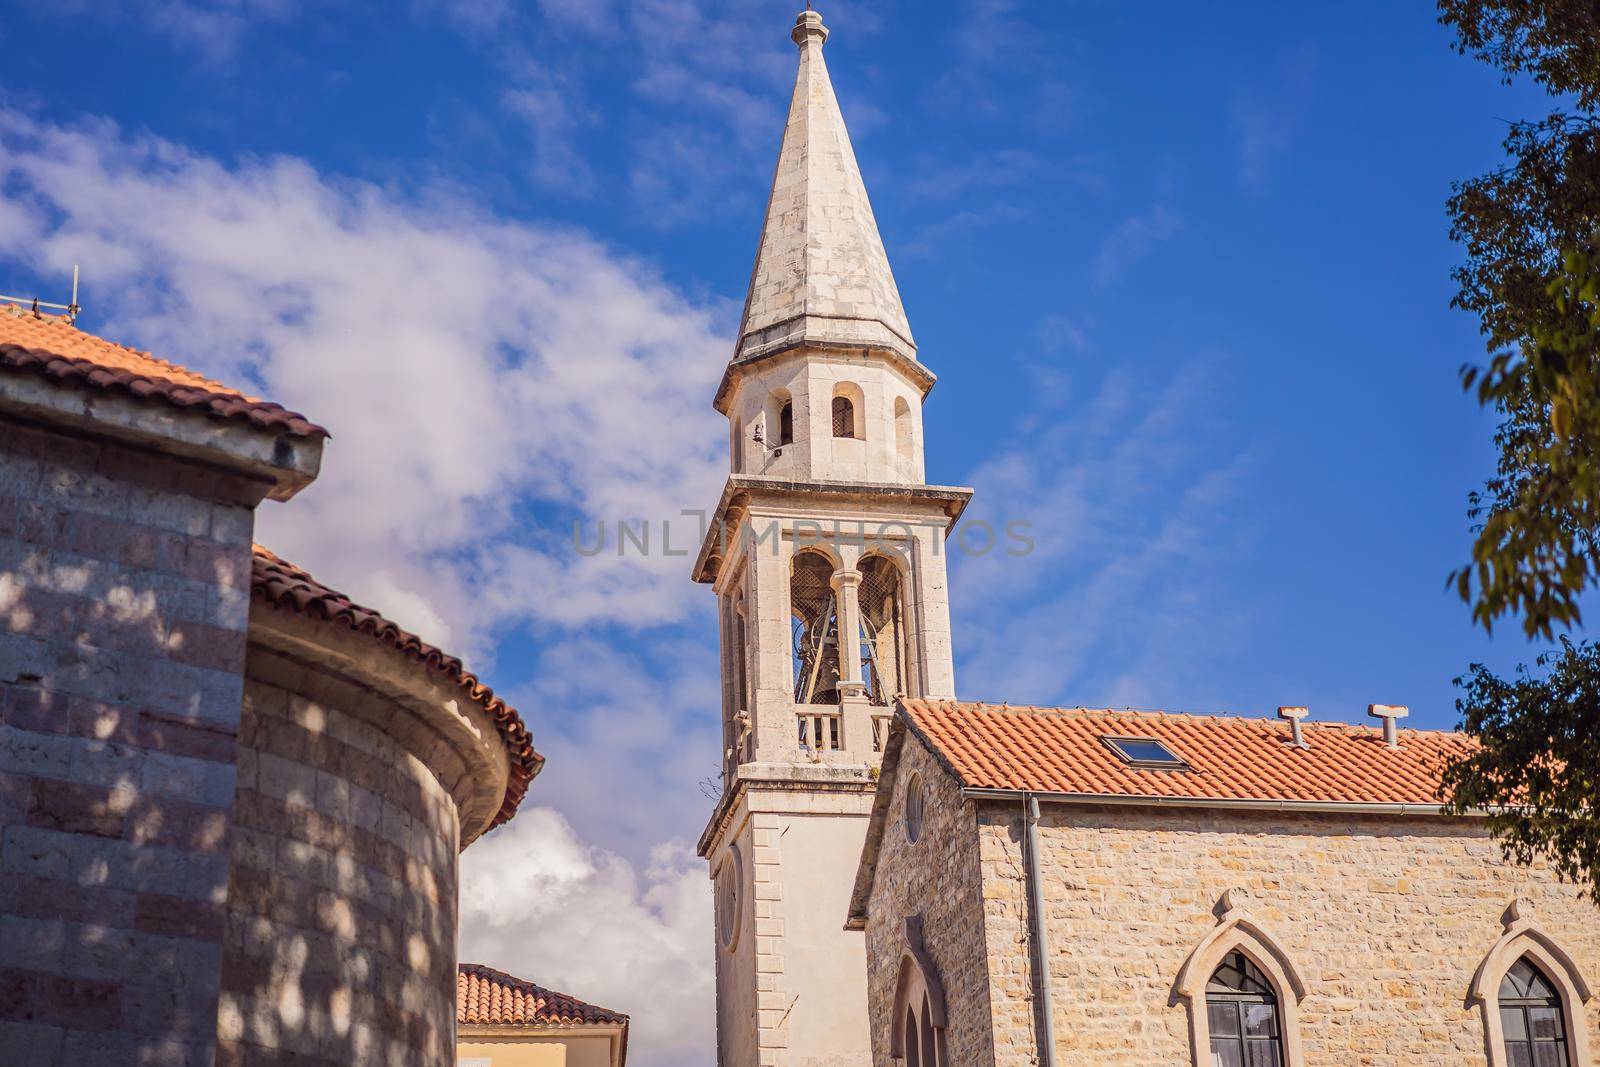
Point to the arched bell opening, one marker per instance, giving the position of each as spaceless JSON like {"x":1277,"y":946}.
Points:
{"x":814,"y":622}
{"x":883,"y":647}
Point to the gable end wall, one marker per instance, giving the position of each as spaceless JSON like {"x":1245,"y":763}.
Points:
{"x":937,"y":877}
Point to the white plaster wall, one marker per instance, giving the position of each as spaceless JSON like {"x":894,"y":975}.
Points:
{"x":825,"y":965}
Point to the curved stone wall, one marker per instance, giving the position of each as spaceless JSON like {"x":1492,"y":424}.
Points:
{"x":357,"y":783}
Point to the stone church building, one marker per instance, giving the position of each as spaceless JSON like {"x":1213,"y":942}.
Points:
{"x":904,"y":879}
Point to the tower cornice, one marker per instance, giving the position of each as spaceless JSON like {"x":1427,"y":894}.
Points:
{"x":744,"y":491}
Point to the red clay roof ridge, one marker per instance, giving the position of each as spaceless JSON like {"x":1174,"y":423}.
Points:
{"x":565,"y":1004}
{"x":283,"y":586}
{"x":53,"y":347}
{"x":20,"y":311}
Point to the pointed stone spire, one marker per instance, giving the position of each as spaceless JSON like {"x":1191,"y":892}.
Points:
{"x":821,"y":275}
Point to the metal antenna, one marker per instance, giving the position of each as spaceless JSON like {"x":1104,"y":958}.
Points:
{"x":34,"y":303}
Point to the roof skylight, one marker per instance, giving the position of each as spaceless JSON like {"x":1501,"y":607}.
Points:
{"x":1145,"y":752}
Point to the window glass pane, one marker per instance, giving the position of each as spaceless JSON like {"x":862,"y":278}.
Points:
{"x":1539,"y":986}
{"x":1260,"y":1020}
{"x":1236,"y":974}
{"x":1144,"y":750}
{"x":1514,"y":1024}
{"x":1224,"y":1019}
{"x":1514,"y":985}
{"x":1550,"y":1054}
{"x":1261,"y":1053}
{"x":1518,"y":1055}
{"x":913,"y":1058}
{"x":1545,"y":1023}
{"x":1226,"y":1053}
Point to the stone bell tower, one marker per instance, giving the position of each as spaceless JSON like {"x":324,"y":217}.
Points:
{"x":827,"y":556}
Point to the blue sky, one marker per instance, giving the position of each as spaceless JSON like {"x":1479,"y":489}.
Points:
{"x":1183,"y":273}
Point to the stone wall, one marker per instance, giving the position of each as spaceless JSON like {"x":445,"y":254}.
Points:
{"x":1386,"y":919}
{"x":937,"y":877}
{"x":341,"y":920}
{"x":124,"y":598}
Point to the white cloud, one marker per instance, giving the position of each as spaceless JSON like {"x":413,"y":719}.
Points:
{"x":555,"y":115}
{"x":705,"y":86}
{"x":1265,"y":118}
{"x":1133,"y":239}
{"x":486,"y":381}
{"x":212,"y":28}
{"x":540,"y":904}
{"x":1005,"y":68}
{"x":646,"y":717}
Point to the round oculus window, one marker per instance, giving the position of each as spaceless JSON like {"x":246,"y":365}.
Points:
{"x":729,"y":876}
{"x":914,"y":802}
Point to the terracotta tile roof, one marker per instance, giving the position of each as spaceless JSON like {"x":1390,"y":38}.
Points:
{"x":488,"y":997}
{"x":1061,"y":750}
{"x":51,"y":347}
{"x":281,"y":584}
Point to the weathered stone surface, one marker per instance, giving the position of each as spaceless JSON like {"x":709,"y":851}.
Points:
{"x":120,"y":572}
{"x":340,"y":932}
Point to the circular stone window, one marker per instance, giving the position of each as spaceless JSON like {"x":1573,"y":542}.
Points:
{"x":914,"y":808}
{"x":729,"y":876}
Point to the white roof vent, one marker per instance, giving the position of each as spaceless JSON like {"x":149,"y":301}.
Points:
{"x":1390,"y":714}
{"x":1294,"y":715}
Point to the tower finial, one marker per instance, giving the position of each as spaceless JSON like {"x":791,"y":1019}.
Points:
{"x":808,"y":25}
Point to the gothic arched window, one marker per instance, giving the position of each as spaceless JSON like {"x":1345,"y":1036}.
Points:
{"x":911,"y":1040}
{"x":1531,"y":1020}
{"x":815,"y":628}
{"x":918,"y":1038}
{"x":1243,"y":1014}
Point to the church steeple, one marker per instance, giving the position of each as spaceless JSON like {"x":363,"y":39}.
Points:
{"x":821,"y":276}
{"x":827,"y":555}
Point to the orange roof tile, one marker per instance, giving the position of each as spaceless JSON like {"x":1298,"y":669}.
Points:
{"x":1061,"y":750}
{"x":52,"y":347}
{"x":488,"y":997}
{"x":280,"y":584}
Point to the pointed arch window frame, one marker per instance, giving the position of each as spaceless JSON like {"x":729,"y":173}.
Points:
{"x":1524,"y":937}
{"x":1237,"y":930}
{"x":917,"y":984}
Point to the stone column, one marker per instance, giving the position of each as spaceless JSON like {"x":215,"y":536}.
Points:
{"x":770,"y":652}
{"x":856,"y":727}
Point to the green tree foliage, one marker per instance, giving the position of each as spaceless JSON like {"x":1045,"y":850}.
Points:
{"x":1531,"y":275}
{"x":1536,"y":549}
{"x":1538,"y":766}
